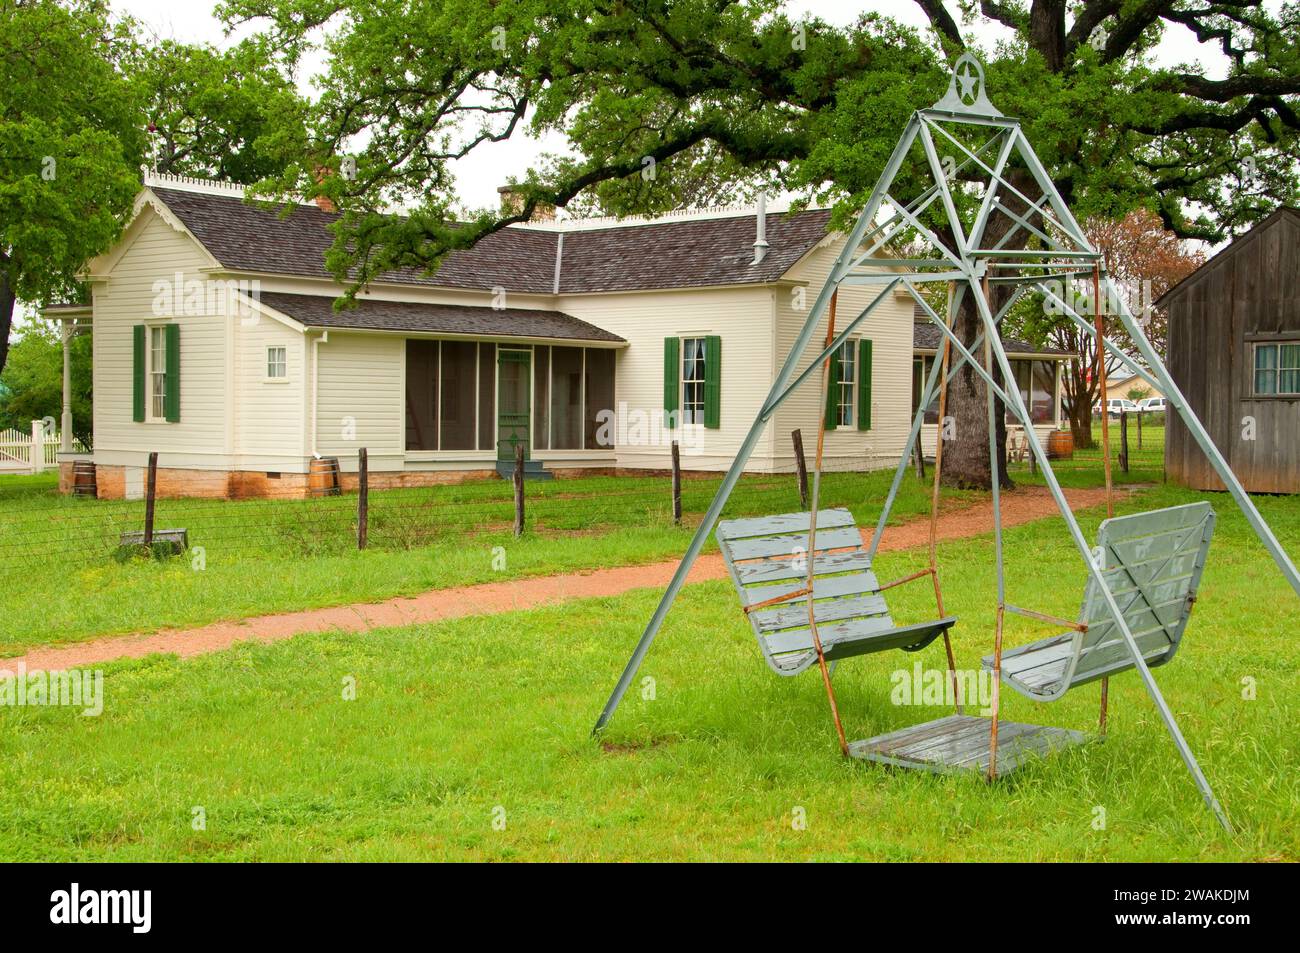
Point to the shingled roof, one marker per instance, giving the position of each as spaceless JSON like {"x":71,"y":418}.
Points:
{"x":927,"y":337}
{"x":317,"y":311}
{"x":676,"y":253}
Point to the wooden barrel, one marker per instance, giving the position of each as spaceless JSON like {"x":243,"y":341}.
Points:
{"x":1060,"y":445}
{"x":323,"y":477}
{"x":83,"y":479}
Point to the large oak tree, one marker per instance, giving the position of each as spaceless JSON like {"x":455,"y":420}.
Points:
{"x":85,"y":100}
{"x":69,"y":132}
{"x":720,"y":97}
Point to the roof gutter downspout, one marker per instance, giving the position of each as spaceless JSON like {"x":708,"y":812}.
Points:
{"x":323,"y":338}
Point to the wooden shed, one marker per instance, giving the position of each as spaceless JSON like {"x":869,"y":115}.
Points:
{"x":1234,"y":351}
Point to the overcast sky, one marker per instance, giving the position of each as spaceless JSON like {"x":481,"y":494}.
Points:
{"x":492,"y":164}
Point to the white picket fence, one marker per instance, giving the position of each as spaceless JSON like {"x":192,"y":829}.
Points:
{"x":16,"y":449}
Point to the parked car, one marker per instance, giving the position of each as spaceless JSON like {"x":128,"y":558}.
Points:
{"x":1153,"y":405}
{"x":1118,"y":405}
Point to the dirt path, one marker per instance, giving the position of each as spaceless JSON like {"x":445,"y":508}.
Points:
{"x":1022,"y":506}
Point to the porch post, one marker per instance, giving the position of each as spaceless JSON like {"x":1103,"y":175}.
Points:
{"x":65,"y":423}
{"x":1056,"y":396}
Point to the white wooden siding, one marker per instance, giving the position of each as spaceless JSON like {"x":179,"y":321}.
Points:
{"x":232,"y":417}
{"x":125,"y":300}
{"x":362,"y":388}
{"x":889,"y":328}
{"x":269,"y":414}
{"x":742,"y":317}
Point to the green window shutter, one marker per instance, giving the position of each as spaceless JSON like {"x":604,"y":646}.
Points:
{"x":137,"y":373}
{"x":172,"y":388}
{"x":864,"y":385}
{"x":672,"y":379}
{"x":712,"y":382}
{"x":832,"y":393}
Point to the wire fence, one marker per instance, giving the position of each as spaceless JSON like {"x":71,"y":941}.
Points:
{"x":42,"y":530}
{"x":1137,"y":451}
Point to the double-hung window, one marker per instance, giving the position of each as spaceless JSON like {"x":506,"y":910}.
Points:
{"x":157,"y":373}
{"x":693,"y":377}
{"x":848,"y":392}
{"x":693,"y":381}
{"x":277,"y":363}
{"x":1277,"y":369}
{"x":846,"y":407}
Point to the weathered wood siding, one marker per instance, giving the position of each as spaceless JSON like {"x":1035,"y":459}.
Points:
{"x":1246,"y":293}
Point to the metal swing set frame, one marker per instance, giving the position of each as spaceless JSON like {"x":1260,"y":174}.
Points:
{"x":1063,"y":254}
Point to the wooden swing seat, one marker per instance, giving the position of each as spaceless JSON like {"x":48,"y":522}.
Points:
{"x":767,"y":558}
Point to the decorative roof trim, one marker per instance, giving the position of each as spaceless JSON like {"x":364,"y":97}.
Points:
{"x":201,"y":186}
{"x":190,"y":183}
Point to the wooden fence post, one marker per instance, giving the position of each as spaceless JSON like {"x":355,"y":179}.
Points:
{"x":801,"y":467}
{"x":519,"y":490}
{"x":150,"y":494}
{"x":918,"y":456}
{"x":363,"y":498}
{"x":1123,"y":441}
{"x":677,"y":484}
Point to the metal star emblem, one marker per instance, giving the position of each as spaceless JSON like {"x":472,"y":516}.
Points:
{"x":967,"y":80}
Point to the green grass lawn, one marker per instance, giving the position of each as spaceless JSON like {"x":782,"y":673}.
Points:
{"x":59,"y":582}
{"x":458,"y":724}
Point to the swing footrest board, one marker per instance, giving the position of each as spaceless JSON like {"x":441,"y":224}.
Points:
{"x":961,"y":743}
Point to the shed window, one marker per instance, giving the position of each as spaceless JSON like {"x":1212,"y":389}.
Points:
{"x":1277,"y":369}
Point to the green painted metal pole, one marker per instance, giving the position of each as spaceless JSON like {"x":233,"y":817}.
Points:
{"x":756,"y":429}
{"x":1094,"y":570}
{"x":931,"y":386}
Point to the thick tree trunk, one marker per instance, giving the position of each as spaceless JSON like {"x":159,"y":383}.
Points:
{"x":1081,"y":425}
{"x":966,"y":456}
{"x":7,"y":302}
{"x":1077,"y":404}
{"x":966,"y":462}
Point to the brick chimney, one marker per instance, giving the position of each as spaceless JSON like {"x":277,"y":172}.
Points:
{"x":324,"y":202}
{"x":512,"y":203}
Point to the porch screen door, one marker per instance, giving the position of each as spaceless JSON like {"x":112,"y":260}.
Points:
{"x":514,"y":386}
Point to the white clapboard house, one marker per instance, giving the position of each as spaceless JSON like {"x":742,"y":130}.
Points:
{"x":594,"y":343}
